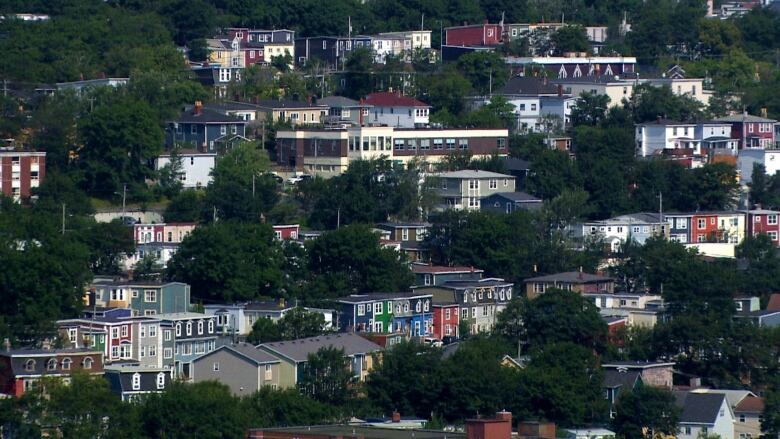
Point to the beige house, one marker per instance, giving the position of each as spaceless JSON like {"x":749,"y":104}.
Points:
{"x":242,"y":367}
{"x":295,"y":112}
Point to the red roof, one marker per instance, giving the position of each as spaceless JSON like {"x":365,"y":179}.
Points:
{"x":774,"y":302}
{"x":392,"y":99}
{"x":751,"y":404}
{"x":419,"y":268}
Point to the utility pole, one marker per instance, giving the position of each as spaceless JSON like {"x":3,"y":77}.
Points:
{"x":253,"y":185}
{"x":124,"y":199}
{"x":214,"y":215}
{"x":63,"y":218}
{"x":338,"y":218}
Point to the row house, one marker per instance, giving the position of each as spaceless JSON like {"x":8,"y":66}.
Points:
{"x":160,"y":252}
{"x":21,"y":172}
{"x":192,"y":334}
{"x":239,"y":318}
{"x":402,"y":44}
{"x":483,"y":34}
{"x":162,"y":233}
{"x":751,"y":131}
{"x":330,"y":50}
{"x":410,"y":235}
{"x":21,"y":370}
{"x":664,"y":137}
{"x":260,"y":46}
{"x":634,"y":309}
{"x":216,"y":77}
{"x":132,"y":382}
{"x":616,"y":231}
{"x":392,"y":108}
{"x":446,"y":320}
{"x":478,"y":301}
{"x":432,"y":275}
{"x":328,"y":152}
{"x":576,"y":281}
{"x":242,"y":367}
{"x":205,"y":130}
{"x":143,"y":298}
{"x":225,"y":53}
{"x":286,"y":232}
{"x":345,"y":111}
{"x":564,"y":67}
{"x":595,"y":83}
{"x":764,"y":221}
{"x":769,"y":158}
{"x":294,"y":112}
{"x":465,"y":190}
{"x":406,"y":313}
{"x":701,"y":227}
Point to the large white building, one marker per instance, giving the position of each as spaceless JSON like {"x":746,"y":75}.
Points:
{"x":196,"y":167}
{"x":394,"y":109}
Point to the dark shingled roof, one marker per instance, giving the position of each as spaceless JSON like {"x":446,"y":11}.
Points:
{"x":349,"y":431}
{"x":625,"y":380}
{"x":571,"y":277}
{"x":517,"y":197}
{"x":270,"y":103}
{"x":515,"y":164}
{"x":699,"y":408}
{"x":528,"y":86}
{"x":299,"y":350}
{"x":207,"y":116}
{"x":245,"y":351}
{"x":340,"y":101}
{"x":121,"y":380}
{"x":370,"y":297}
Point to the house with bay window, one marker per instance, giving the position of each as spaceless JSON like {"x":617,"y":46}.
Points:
{"x":700,"y":227}
{"x":479,"y":301}
{"x":409,"y":313}
{"x":143,"y":298}
{"x":193,"y":334}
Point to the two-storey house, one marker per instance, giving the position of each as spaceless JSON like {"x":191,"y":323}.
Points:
{"x":764,"y":221}
{"x":411,"y":236}
{"x":394,"y":109}
{"x":294,"y":112}
{"x":656,"y":137}
{"x":21,"y":370}
{"x":618,"y":230}
{"x":165,"y":232}
{"x":244,"y":368}
{"x":406,"y":313}
{"x":715,"y":137}
{"x":216,"y":77}
{"x":193,"y":334}
{"x":132,"y":382}
{"x":110,"y":332}
{"x":534,"y":98}
{"x":333,"y":51}
{"x":149,"y":344}
{"x":577,"y":281}
{"x":432,"y":275}
{"x":343,"y":110}
{"x":699,"y":227}
{"x":508,"y":202}
{"x":484,"y":34}
{"x":144,"y":298}
{"x":205,"y":130}
{"x":702,"y":414}
{"x":195,"y":166}
{"x":466,"y":189}
{"x":446,"y":320}
{"x":479,"y":301}
{"x":751,"y":131}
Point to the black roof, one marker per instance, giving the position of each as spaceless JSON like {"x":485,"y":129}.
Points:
{"x":576,"y":277}
{"x":515,"y":164}
{"x":207,"y":116}
{"x":333,"y":431}
{"x":699,"y":408}
{"x":517,"y":197}
{"x":121,"y":380}
{"x":619,"y":379}
{"x":371,"y":297}
{"x":270,"y":103}
{"x":528,"y":86}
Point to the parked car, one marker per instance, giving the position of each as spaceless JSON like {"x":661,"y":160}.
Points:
{"x":299,"y":178}
{"x":431,"y":341}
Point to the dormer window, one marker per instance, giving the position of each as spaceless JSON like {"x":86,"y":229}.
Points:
{"x":161,"y":380}
{"x":51,"y":364}
{"x":29,"y":365}
{"x":136,"y":381}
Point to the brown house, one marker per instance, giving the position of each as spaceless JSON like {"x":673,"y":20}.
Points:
{"x":22,"y":369}
{"x":411,"y":236}
{"x":571,"y":281}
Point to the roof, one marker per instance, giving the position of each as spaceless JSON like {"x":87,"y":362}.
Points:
{"x":636,"y":364}
{"x":231,"y":106}
{"x":666,"y":122}
{"x":345,"y":431}
{"x":468,"y":173}
{"x":393,"y":99}
{"x":774,"y":302}
{"x":182,"y":316}
{"x":19,"y":358}
{"x":750,"y":404}
{"x":516,"y":164}
{"x":247,"y":352}
{"x":435,"y":269}
{"x":744,"y":118}
{"x":517,"y":197}
{"x":340,"y":101}
{"x":571,"y":277}
{"x":298,"y":350}
{"x":488,"y":282}
{"x":639,"y":217}
{"x":733,"y":397}
{"x":268,"y":306}
{"x":528,"y":86}
{"x":395,"y":224}
{"x":618,"y":379}
{"x":371,"y":297}
{"x":121,"y":379}
{"x":271,"y":103}
{"x":699,"y":408}
{"x":207,"y":116}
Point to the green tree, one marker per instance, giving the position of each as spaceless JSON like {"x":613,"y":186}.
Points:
{"x":559,"y":316}
{"x":326,"y":377}
{"x":758,"y":186}
{"x":264,"y":331}
{"x":283,"y":408}
{"x":591,"y":109}
{"x":646,"y":412}
{"x":485,"y":70}
{"x":186,"y":206}
{"x":571,"y":38}
{"x":169,"y":175}
{"x":649,"y":103}
{"x":770,"y":423}
{"x":108,"y":243}
{"x":358,"y":67}
{"x":553,"y":172}
{"x":300,"y":323}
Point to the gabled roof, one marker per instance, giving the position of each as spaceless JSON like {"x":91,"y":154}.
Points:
{"x":744,"y":118}
{"x":515,"y":164}
{"x":622,"y":380}
{"x":774,"y":302}
{"x":575,"y":277}
{"x":528,"y":86}
{"x":287,"y":104}
{"x":517,"y":197}
{"x":751,"y":404}
{"x":298,"y":350}
{"x":393,"y":99}
{"x":121,"y":379}
{"x":246,"y":352}
{"x":636,"y":364}
{"x":468,"y":173}
{"x":400,"y":224}
{"x":699,"y":408}
{"x":340,"y":102}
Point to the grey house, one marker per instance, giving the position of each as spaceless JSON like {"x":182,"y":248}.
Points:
{"x":242,"y":367}
{"x":508,"y":202}
{"x":343,"y":110}
{"x":466,"y":189}
{"x":205,"y":130}
{"x":763,"y":318}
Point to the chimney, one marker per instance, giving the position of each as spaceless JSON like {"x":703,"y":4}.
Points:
{"x":396,"y":416}
{"x":658,"y":119}
{"x":46,"y":345}
{"x":198,"y":107}
{"x":485,"y":21}
{"x":763,"y":112}
{"x":504,"y":416}
{"x":560,"y":90}
{"x":7,"y":344}
{"x":281,"y":302}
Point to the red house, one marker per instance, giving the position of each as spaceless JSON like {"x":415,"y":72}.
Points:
{"x":484,"y":34}
{"x":445,"y":320}
{"x":145,"y":233}
{"x":22,"y":369}
{"x":20,"y":172}
{"x":751,"y":131}
{"x":764,"y":221}
{"x":286,"y":231}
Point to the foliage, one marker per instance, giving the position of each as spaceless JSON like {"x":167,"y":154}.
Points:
{"x":571,"y":38}
{"x":559,"y":316}
{"x":485,"y":70}
{"x":296,"y":323}
{"x":186,"y":206}
{"x":646,"y":412}
{"x":327,"y":378}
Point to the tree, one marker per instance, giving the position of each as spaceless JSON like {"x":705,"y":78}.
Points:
{"x":326,"y":377}
{"x":559,"y":316}
{"x":169,"y":175}
{"x":300,"y":323}
{"x":351,"y":260}
{"x":509,"y":322}
{"x":283,"y":408}
{"x":571,"y":38}
{"x":108,"y":243}
{"x":591,"y":109}
{"x":553,"y":172}
{"x":485,"y":70}
{"x":228,"y":262}
{"x":186,"y":206}
{"x":770,"y":424}
{"x":758,"y":186}
{"x":264,"y":331}
{"x":649,"y":103}
{"x":358,"y":73}
{"x":646,"y":412}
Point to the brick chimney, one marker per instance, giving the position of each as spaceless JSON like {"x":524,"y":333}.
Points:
{"x":500,"y":427}
{"x":198,"y":107}
{"x":396,"y":417}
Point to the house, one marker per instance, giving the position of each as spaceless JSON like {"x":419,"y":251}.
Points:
{"x":195,"y":167}
{"x":343,"y":110}
{"x":240,"y":317}
{"x":774,"y":302}
{"x":242,"y":367}
{"x":656,"y":137}
{"x":194,"y":334}
{"x":242,"y":110}
{"x":619,"y":300}
{"x":571,"y":281}
{"x":144,"y":298}
{"x":479,"y":301}
{"x":764,"y":221}
{"x":508,"y":202}
{"x":131,"y":382}
{"x":722,"y":227}
{"x":89,"y":84}
{"x":332,"y":51}
{"x":205,"y":130}
{"x":747,"y":303}
{"x":533,"y":98}
{"x":770,"y":158}
{"x":518,"y":168}
{"x":21,"y":370}
{"x":654,"y":312}
{"x":638,"y":227}
{"x":109,"y":332}
{"x":763,"y":318}
{"x":748,"y":413}
{"x":565,"y":67}
{"x":427,"y":275}
{"x":216,"y":77}
{"x":715,"y":138}
{"x":616,"y":383}
{"x":657,"y":374}
{"x":20,"y":172}
{"x":702,"y":414}
{"x":171,"y":233}
{"x":225,"y":52}
{"x":392,"y":108}
{"x":751,"y":131}
{"x":328,"y":152}
{"x":160,"y":252}
{"x":294,"y":355}
{"x":611,"y":86}
{"x":403,"y":44}
{"x":411,"y":236}
{"x":446,"y":320}
{"x":294,"y":112}
{"x":484,"y":34}
{"x":408,"y":313}
{"x":589,"y":433}
{"x":466,"y":189}
{"x":260,"y":46}
{"x":285,"y":232}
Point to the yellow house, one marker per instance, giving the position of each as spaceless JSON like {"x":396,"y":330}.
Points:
{"x":296,"y":112}
{"x":226,"y":53}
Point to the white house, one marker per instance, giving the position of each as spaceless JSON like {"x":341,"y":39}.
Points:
{"x":611,"y":86}
{"x":392,"y":108}
{"x":653,"y":138}
{"x":161,"y":252}
{"x":196,"y":167}
{"x":770,"y":158}
{"x":704,"y":413}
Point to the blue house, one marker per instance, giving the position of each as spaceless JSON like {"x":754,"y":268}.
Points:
{"x":383,"y":313}
{"x":205,"y":130}
{"x":508,"y":202}
{"x":194,"y":334}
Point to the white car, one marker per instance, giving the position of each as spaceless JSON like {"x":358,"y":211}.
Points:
{"x":431,"y":341}
{"x":298,"y":178}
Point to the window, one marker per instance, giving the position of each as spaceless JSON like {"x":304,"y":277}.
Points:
{"x":681,"y":223}
{"x":463,"y":143}
{"x":404,"y":234}
{"x":51,"y":364}
{"x":114,"y":351}
{"x":223,"y":129}
{"x":484,"y":310}
{"x":361,"y":310}
{"x":425,"y":144}
{"x":771,"y":220}
{"x":438,"y":143}
{"x":215,"y":367}
{"x":87,"y":363}
{"x":419,"y":234}
{"x":167,"y":353}
{"x":136,"y":381}
{"x":200,"y":327}
{"x":161,"y":380}
{"x":502,"y":143}
{"x":200,"y":347}
{"x":268,"y":372}
{"x":134,"y":293}
{"x":493,"y":183}
{"x":712,"y":221}
{"x":167,"y":333}
{"x":702,"y":223}
{"x":124,"y":351}
{"x":406,"y":307}
{"x":142,"y":331}
{"x":450,"y":144}
{"x":152,"y":352}
{"x":464,"y":313}
{"x":473,"y":184}
{"x":426,"y":306}
{"x":378,"y":308}
{"x":398,"y":144}
{"x":124,"y":331}
{"x":189,"y":328}
{"x":142,"y":352}
{"x":152,"y":331}
{"x":398,"y":309}
{"x":447,"y":314}
{"x":700,"y":237}
{"x":741,"y":418}
{"x":211,"y":326}
{"x":444,"y":183}
{"x":772,"y":236}
{"x":687,"y":430}
{"x":418,"y":307}
{"x":533,"y":107}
